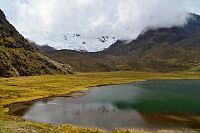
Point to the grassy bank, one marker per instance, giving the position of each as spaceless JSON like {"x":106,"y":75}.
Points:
{"x":29,"y":88}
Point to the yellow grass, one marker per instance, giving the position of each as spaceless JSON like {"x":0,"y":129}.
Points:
{"x":21,"y":89}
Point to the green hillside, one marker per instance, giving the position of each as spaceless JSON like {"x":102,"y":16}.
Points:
{"x":19,"y":58}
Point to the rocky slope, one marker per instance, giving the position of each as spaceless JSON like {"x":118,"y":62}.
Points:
{"x":19,"y":58}
{"x":163,"y":49}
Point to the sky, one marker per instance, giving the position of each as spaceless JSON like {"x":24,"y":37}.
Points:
{"x":125,"y":19}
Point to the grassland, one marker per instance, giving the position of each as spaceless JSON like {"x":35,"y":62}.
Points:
{"x":21,"y":89}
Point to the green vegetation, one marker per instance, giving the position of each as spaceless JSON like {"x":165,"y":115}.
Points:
{"x":20,"y":89}
{"x":21,"y":62}
{"x":19,"y":58}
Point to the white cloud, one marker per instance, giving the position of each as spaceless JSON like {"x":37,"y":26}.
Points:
{"x":121,"y":18}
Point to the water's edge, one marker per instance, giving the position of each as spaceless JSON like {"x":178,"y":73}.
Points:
{"x":90,"y":87}
{"x":72,"y":94}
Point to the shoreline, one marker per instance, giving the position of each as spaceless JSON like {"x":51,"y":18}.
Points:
{"x":34,"y":88}
{"x":90,"y":87}
{"x":100,"y":85}
{"x":74,"y":94}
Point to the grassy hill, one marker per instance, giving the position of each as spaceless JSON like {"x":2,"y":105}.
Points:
{"x":163,"y":49}
{"x":19,"y":58}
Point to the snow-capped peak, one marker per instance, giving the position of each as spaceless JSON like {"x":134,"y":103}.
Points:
{"x":73,"y":41}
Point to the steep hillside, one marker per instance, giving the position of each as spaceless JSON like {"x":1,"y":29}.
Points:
{"x":163,"y":49}
{"x":19,"y":58}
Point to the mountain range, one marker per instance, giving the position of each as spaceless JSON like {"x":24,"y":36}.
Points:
{"x":162,"y":49}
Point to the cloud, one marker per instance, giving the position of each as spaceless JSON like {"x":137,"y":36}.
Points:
{"x":121,"y":18}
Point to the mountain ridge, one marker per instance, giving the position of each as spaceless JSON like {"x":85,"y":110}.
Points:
{"x":162,"y":49}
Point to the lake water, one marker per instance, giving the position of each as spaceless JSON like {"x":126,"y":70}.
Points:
{"x":145,"y":104}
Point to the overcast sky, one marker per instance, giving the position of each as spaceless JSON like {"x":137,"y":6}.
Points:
{"x":121,"y":18}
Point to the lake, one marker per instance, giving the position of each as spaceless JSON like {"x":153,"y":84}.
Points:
{"x":147,"y":104}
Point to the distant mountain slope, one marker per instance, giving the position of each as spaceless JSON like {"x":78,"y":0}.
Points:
{"x":19,"y":58}
{"x":89,"y":62}
{"x":43,"y":48}
{"x":170,"y":36}
{"x":163,"y":49}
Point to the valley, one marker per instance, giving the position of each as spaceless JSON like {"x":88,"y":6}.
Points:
{"x":57,"y":65}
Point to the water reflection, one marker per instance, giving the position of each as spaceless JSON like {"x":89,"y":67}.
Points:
{"x":150,"y":104}
{"x":88,"y":114}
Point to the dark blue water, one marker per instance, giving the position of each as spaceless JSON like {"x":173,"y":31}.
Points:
{"x":147,"y":104}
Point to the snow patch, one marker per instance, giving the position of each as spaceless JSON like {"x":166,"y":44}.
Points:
{"x":73,"y":41}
